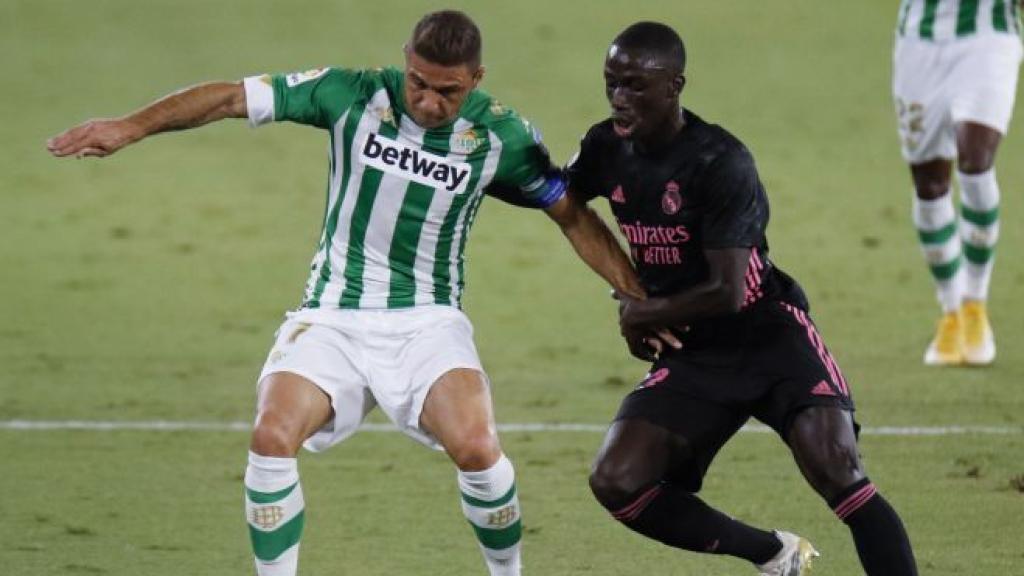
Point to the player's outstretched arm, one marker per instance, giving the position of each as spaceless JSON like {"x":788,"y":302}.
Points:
{"x":188,"y":108}
{"x":595,"y":244}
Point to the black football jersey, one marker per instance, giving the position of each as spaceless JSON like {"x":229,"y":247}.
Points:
{"x":700,"y":192}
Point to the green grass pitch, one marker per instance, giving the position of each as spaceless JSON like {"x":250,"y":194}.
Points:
{"x":147,"y":287}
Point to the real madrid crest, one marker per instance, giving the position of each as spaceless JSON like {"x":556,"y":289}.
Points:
{"x":671,"y":201}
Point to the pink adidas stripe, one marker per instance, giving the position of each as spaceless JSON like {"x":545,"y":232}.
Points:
{"x":855,"y":501}
{"x":753,"y":277}
{"x":830,"y":362}
{"x":823,"y":354}
{"x":840,"y":380}
{"x":815,"y":340}
{"x":639,"y":505}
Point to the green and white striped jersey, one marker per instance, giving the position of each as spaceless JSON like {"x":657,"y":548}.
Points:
{"x":940,"y":20}
{"x":401,"y":199}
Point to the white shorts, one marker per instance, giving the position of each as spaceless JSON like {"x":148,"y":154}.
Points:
{"x":367,"y":358}
{"x":938,"y":84}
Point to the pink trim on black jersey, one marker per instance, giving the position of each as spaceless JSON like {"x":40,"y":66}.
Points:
{"x":855,"y":501}
{"x":819,"y":345}
{"x":753,"y":291}
{"x":633,"y":510}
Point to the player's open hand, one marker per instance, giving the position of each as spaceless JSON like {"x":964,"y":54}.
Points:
{"x":93,"y":138}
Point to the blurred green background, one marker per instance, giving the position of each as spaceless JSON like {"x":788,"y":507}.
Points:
{"x":147,"y":286}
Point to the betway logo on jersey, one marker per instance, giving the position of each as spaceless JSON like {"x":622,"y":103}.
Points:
{"x":411,"y":163}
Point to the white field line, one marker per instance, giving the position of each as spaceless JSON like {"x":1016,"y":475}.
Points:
{"x":168,"y":425}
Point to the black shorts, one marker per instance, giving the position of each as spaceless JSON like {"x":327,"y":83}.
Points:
{"x":770,"y":363}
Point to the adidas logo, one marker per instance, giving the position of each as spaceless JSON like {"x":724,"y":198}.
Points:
{"x":411,"y":163}
{"x":618,"y":196}
{"x":822,"y":389}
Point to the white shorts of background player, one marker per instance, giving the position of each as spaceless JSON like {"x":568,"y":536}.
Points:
{"x":938,"y":84}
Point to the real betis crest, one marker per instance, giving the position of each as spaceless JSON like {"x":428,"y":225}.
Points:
{"x":466,"y":142}
{"x":497,"y":108}
{"x":386,"y":115}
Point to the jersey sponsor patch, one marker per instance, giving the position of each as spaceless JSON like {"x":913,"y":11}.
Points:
{"x":296,"y":78}
{"x":393,"y":157}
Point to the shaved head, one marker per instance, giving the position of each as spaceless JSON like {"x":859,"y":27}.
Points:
{"x":643,"y":78}
{"x":652,"y":44}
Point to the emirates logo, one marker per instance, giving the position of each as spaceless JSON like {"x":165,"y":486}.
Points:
{"x":671,"y":201}
{"x":266,"y":517}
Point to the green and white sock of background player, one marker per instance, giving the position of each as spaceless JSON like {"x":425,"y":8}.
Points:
{"x":979,"y":229}
{"x":491,"y":505}
{"x":275,"y":512}
{"x":936,"y":225}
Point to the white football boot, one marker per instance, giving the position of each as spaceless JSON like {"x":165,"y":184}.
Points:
{"x":793,"y":560}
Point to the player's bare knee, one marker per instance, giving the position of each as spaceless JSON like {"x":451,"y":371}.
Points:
{"x":976,"y":162}
{"x":834,"y":468}
{"x":931,"y":189}
{"x":614,"y":483}
{"x":273,"y":436}
{"x":932,"y":178}
{"x":475,"y":450}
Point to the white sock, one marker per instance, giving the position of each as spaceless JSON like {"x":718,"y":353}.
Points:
{"x":275,"y":512}
{"x":491,"y":505}
{"x":979,"y":229}
{"x":935,"y":221}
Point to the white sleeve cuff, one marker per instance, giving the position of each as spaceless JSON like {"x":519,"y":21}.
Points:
{"x":259,"y":100}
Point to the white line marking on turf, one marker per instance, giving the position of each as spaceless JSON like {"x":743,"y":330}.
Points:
{"x":169,"y":425}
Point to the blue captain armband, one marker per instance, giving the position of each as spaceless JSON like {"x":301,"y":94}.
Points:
{"x":546,"y":189}
{"x":542,"y":192}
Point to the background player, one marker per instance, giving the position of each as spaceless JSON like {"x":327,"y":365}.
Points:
{"x":380,"y":324}
{"x":687,"y":197}
{"x":954,"y":82}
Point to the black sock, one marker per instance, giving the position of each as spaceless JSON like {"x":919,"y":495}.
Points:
{"x":882,"y":542}
{"x":673,"y":516}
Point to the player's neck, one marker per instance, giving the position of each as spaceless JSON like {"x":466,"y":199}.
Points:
{"x":663,"y":137}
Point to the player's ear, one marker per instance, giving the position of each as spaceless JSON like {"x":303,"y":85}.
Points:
{"x":677,"y":84}
{"x":478,"y":76}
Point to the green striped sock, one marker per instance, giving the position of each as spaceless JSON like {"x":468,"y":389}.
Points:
{"x":275,"y":512}
{"x":936,"y":225}
{"x":979,"y":229}
{"x":491,"y":505}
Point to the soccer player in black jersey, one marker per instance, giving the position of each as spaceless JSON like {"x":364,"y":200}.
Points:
{"x":688,"y":199}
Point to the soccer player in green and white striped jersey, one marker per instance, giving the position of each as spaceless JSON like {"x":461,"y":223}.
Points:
{"x":413,"y":153}
{"x":954,"y":81}
{"x":943,"y":20}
